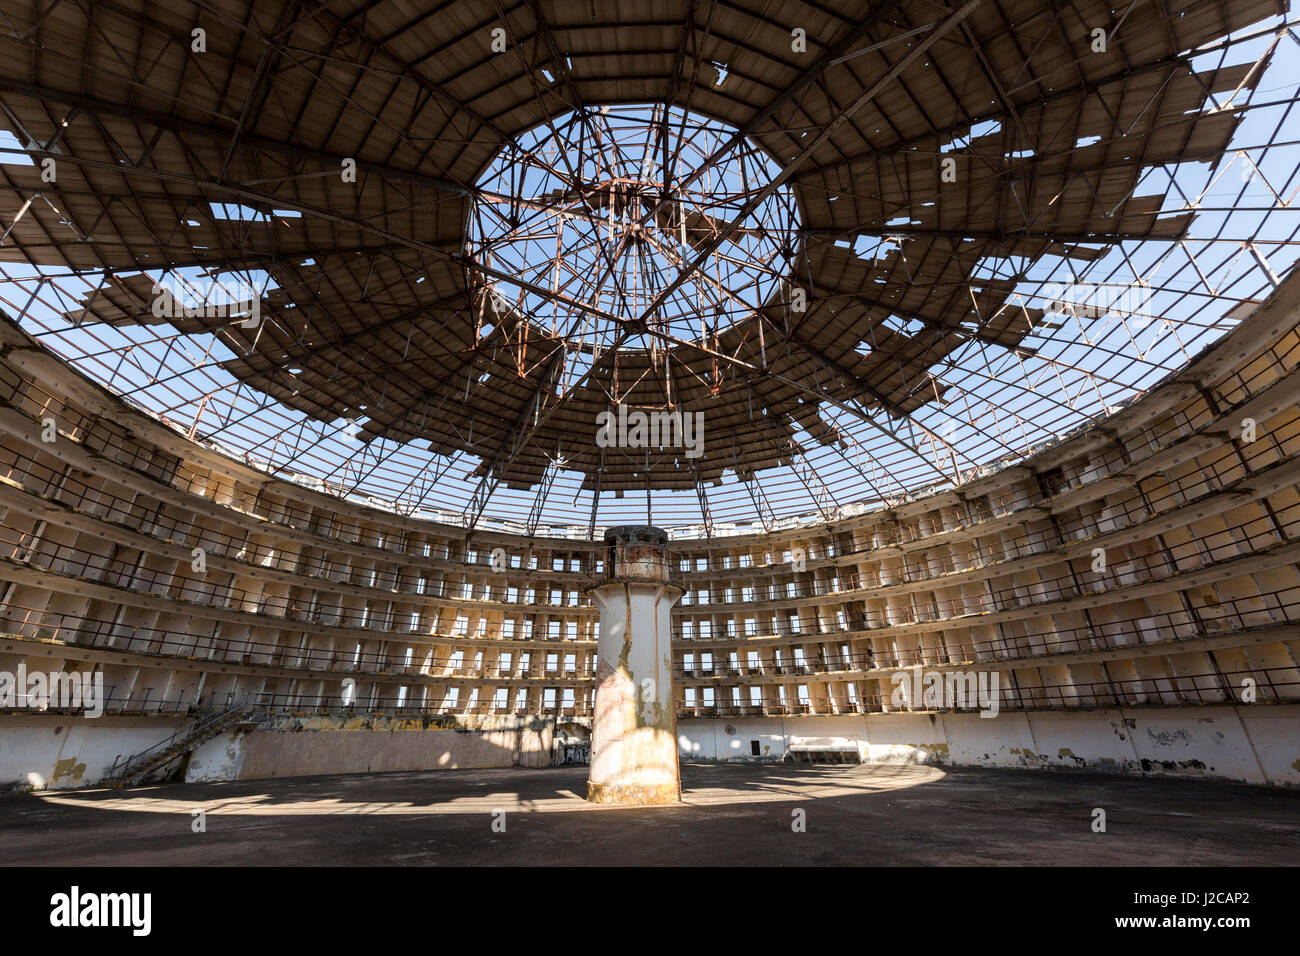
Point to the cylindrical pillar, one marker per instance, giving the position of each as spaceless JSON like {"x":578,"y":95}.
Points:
{"x":634,"y":727}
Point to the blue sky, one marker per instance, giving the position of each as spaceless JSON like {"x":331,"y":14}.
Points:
{"x":1009,"y":398}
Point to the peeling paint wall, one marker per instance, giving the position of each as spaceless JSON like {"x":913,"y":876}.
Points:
{"x":1253,"y":744}
{"x":633,"y":756}
{"x":61,"y":753}
{"x":309,"y":746}
{"x":734,"y":739}
{"x":217,"y":759}
{"x":53,"y":752}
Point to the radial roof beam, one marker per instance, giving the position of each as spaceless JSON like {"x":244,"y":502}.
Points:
{"x":530,"y":421}
{"x":1170,"y":64}
{"x":705,"y":513}
{"x":539,"y":499}
{"x":175,"y":125}
{"x":810,"y":76}
{"x":762,"y":507}
{"x":874,"y":90}
{"x":819,"y":392}
{"x":360,"y":224}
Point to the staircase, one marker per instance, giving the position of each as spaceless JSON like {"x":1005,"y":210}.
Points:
{"x":130,"y":770}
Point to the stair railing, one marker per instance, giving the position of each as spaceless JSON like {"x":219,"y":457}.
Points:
{"x":122,"y":765}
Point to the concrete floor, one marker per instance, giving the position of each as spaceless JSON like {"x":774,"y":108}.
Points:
{"x":731,"y":815}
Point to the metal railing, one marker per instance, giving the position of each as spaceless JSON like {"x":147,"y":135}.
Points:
{"x":160,"y":754}
{"x":42,"y":624}
{"x":31,"y":398}
{"x":1193,"y":621}
{"x":1248,"y":537}
{"x":1276,"y":685}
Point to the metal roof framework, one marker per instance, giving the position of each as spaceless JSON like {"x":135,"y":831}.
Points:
{"x":997,"y":222}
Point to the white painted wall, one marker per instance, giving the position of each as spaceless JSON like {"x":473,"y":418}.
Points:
{"x":57,"y":753}
{"x":707,"y":739}
{"x":309,"y":746}
{"x":217,"y":759}
{"x":1251,"y":743}
{"x":54,"y":752}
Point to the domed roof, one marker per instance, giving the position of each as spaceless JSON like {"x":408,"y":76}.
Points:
{"x":701,"y":263}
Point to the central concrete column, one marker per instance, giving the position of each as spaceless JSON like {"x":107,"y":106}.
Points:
{"x":634,"y":727}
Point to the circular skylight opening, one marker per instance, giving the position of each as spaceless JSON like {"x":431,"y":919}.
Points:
{"x":608,"y":221}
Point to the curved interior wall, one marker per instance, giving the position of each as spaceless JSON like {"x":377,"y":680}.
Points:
{"x":1134,"y":588}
